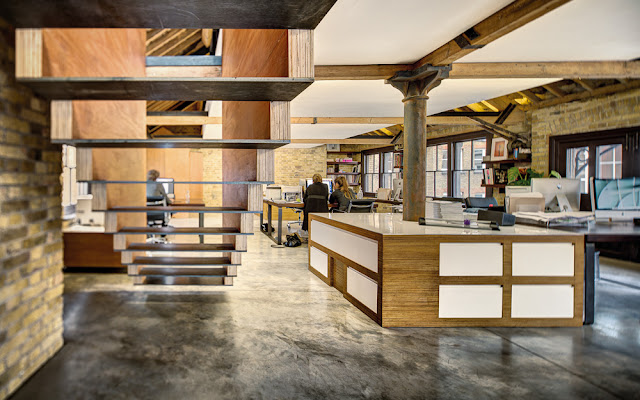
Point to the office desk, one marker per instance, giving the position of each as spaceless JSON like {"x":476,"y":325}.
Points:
{"x":392,"y":202}
{"x":270,"y":204}
{"x":192,"y":202}
{"x":599,"y":233}
{"x":402,"y":274}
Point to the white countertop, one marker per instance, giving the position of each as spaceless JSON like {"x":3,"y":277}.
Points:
{"x":392,"y":224}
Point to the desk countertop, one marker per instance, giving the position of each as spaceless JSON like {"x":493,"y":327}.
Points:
{"x":83,"y":229}
{"x":283,"y":204}
{"x":392,"y":224}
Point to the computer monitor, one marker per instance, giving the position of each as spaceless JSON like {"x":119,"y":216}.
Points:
{"x":397,"y":188}
{"x":167,"y":183}
{"x":616,"y":199}
{"x":326,"y":181}
{"x":559,"y":194}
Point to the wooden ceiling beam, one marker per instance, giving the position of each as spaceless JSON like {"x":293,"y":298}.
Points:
{"x":585,"y":85}
{"x":529,"y":95}
{"x":166,"y":39}
{"x":508,"y":19}
{"x":343,"y":141}
{"x":554,"y":90}
{"x":602,"y":91}
{"x":185,"y":39}
{"x":560,"y":70}
{"x":358,"y":72}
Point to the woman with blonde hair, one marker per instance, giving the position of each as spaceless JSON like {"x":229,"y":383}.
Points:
{"x":315,"y":199}
{"x":342,"y":194}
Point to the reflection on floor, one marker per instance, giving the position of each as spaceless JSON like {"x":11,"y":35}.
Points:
{"x":281,"y":333}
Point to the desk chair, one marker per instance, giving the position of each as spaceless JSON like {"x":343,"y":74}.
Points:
{"x":358,"y":206}
{"x":299,"y":221}
{"x":157,"y":218}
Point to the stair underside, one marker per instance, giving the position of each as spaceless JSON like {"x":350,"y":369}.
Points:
{"x":195,"y":14}
{"x":204,"y":247}
{"x":181,"y":261}
{"x":179,"y":143}
{"x":184,"y":272}
{"x":179,"y":231}
{"x":183,"y":280}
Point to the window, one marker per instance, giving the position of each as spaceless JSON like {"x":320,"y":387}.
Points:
{"x":437,"y":170}
{"x":455,"y":167}
{"x":378,"y":170}
{"x":603,"y":155}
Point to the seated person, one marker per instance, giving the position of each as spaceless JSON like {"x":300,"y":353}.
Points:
{"x":315,"y":199}
{"x":342,"y":195}
{"x":155,"y":189}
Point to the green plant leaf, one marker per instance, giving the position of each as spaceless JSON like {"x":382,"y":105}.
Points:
{"x":554,"y":174}
{"x":513,"y":175}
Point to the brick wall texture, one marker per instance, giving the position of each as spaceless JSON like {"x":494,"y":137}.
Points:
{"x":212,"y":164}
{"x":291,"y":165}
{"x":30,"y":229}
{"x":620,"y":110}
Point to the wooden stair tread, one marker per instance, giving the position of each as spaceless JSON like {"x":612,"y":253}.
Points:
{"x":191,"y":209}
{"x":179,"y":143}
{"x":169,"y":261}
{"x":164,"y":88}
{"x":184,"y":280}
{"x":186,"y":272}
{"x":220,"y":247}
{"x":179,"y":231}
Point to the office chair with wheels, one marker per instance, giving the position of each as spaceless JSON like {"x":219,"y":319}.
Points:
{"x":358,"y":206}
{"x":299,"y":221}
{"x":157,"y":218}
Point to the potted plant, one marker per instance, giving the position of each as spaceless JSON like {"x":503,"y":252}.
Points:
{"x":522,"y":176}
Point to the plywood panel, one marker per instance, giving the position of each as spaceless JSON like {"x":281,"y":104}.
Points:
{"x":301,"y":53}
{"x":96,"y":52}
{"x":28,"y":53}
{"x":61,"y":119}
{"x":196,"y":173}
{"x":248,"y":53}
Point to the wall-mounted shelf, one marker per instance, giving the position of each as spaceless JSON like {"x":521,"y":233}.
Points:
{"x":195,"y":14}
{"x":343,"y":162}
{"x":181,"y":209}
{"x":152,"y":88}
{"x":174,"y":143}
{"x":342,"y":173}
{"x":511,"y":161}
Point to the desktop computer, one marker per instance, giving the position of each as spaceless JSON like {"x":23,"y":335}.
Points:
{"x":616,"y":199}
{"x":559,"y":194}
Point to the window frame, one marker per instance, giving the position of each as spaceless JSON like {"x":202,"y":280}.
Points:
{"x":450,"y":141}
{"x":381,"y":151}
{"x":629,"y":138}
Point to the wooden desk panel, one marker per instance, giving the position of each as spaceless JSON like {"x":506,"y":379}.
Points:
{"x":89,"y":250}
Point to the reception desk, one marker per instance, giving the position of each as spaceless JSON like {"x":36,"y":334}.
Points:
{"x":402,"y":274}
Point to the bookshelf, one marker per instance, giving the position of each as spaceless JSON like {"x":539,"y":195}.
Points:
{"x":495,"y":176}
{"x":347,"y":164}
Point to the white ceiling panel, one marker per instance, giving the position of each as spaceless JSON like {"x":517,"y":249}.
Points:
{"x":581,"y":30}
{"x":331,"y":131}
{"x":393,"y":32}
{"x":348,"y":99}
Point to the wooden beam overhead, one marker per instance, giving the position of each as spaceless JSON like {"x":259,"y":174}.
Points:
{"x":530,"y":96}
{"x":343,"y":141}
{"x":602,"y":91}
{"x":554,"y":90}
{"x":493,"y":70}
{"x":586,"y":85}
{"x":510,"y":18}
{"x":358,"y":72}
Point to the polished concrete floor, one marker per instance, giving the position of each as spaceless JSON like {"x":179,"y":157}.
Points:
{"x":280,"y":333}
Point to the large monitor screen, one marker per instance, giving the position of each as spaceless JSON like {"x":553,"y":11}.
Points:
{"x":167,"y":183}
{"x":617,"y":194}
{"x":326,"y":181}
{"x":552,"y":187}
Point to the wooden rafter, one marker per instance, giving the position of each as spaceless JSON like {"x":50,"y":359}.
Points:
{"x":554,"y":90}
{"x":601,"y":91}
{"x":511,"y":17}
{"x":529,"y":95}
{"x":585,"y":84}
{"x":560,"y":70}
{"x":154,"y":48}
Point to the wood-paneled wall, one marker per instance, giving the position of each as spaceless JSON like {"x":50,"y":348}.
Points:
{"x":105,"y":52}
{"x":181,"y":165}
{"x":248,"y":53}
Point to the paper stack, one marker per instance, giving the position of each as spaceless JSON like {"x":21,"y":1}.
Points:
{"x":452,"y":211}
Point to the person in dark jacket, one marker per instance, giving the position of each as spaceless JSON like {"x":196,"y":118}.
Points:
{"x":315,"y":199}
{"x":342,"y":195}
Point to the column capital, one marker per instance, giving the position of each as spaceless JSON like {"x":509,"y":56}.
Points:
{"x":415,"y":84}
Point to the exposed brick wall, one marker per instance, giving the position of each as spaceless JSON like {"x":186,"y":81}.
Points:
{"x":212,"y":164}
{"x":616,"y":111}
{"x":291,"y":165}
{"x":30,"y":229}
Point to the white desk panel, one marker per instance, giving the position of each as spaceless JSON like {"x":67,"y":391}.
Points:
{"x":363,"y":288}
{"x":542,"y":259}
{"x":541,"y":301}
{"x":359,"y":249}
{"x":470,"y":301}
{"x":470,"y":259}
{"x":319,"y":261}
